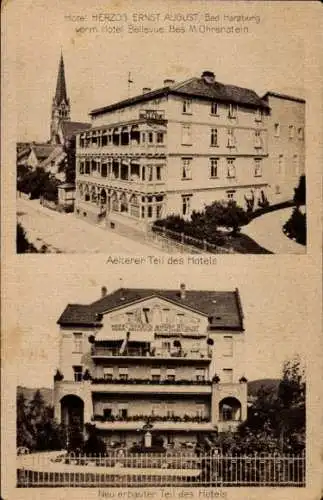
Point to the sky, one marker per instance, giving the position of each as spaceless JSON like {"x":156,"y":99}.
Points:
{"x":277,"y":312}
{"x":269,"y":57}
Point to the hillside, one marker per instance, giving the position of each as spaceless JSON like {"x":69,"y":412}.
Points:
{"x":255,"y":385}
{"x":29,"y":393}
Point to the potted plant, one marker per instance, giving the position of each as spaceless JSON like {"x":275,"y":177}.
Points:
{"x":58,"y":377}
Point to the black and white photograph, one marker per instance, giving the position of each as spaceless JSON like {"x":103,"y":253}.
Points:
{"x":176,"y":385}
{"x":161,"y":253}
{"x":177,"y":129}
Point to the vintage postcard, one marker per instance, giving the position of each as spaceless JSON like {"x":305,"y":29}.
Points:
{"x":162,"y":274}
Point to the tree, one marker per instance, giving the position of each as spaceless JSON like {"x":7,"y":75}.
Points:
{"x":36,"y":427}
{"x":300,"y":192}
{"x":295,"y":227}
{"x":278,"y":416}
{"x":225,"y":214}
{"x":22,"y":243}
{"x":94,"y":445}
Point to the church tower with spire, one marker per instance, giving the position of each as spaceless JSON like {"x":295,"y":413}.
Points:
{"x":60,"y":105}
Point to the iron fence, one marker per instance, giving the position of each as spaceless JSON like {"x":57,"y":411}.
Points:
{"x":176,"y":469}
{"x":187,"y":243}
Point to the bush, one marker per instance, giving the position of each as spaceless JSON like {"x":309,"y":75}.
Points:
{"x":295,"y":227}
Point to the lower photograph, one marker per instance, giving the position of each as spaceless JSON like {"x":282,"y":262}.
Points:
{"x":179,"y":380}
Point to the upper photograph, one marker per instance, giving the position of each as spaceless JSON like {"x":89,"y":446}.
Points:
{"x":152,"y":146}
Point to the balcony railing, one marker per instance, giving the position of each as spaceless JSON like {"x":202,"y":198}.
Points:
{"x":148,"y":381}
{"x":132,"y":185}
{"x":152,"y":353}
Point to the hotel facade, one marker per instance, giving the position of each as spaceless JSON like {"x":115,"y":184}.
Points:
{"x":145,"y":365}
{"x":173,"y":150}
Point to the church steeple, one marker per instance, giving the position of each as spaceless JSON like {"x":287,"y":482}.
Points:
{"x":61,"y":94}
{"x":60,"y":105}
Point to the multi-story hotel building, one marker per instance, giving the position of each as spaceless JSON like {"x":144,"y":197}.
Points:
{"x":286,"y":144}
{"x":170,"y":361}
{"x":172,"y":150}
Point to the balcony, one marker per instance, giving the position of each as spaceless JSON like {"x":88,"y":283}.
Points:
{"x":125,"y":184}
{"x":149,"y":386}
{"x":152,"y":354}
{"x":134,"y":149}
{"x":158,"y":424}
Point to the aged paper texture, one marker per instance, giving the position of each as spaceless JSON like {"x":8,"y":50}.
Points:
{"x":154,"y":341}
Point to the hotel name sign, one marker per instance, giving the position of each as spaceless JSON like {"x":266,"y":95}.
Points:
{"x":151,"y":114}
{"x":162,"y":328}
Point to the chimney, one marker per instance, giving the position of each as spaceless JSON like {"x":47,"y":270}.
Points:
{"x":208,"y":77}
{"x":145,"y":90}
{"x":168,"y":82}
{"x":183,"y":291}
{"x":104,"y":291}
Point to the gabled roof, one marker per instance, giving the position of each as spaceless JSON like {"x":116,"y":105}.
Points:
{"x":71,"y":128}
{"x":194,"y":87}
{"x":57,"y":154}
{"x":222,"y":308}
{"x":283,"y":96}
{"x":42,"y":151}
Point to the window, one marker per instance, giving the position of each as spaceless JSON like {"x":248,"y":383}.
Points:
{"x":186,"y":135}
{"x":227,"y":377}
{"x":78,"y":342}
{"x":160,"y":137}
{"x":230,"y":194}
{"x":200,"y":374}
{"x":300,"y":133}
{"x":123,"y":411}
{"x":258,"y":167}
{"x":170,"y":374}
{"x":258,"y":117}
{"x":187,"y":106}
{"x":158,"y":173}
{"x":214,"y":108}
{"x":200,"y":410}
{"x":150,"y":137}
{"x":155,"y":374}
{"x":296,"y":165}
{"x":78,"y":373}
{"x":231,"y":138}
{"x":107,"y":413}
{"x":280,"y":166}
{"x":170,"y":409}
{"x":108,"y":373}
{"x":186,"y":204}
{"x":228,"y":346}
{"x":258,"y":139}
{"x":231,"y":169}
{"x":146,"y":315}
{"x":166,"y":346}
{"x":214,"y":137}
{"x":156,"y":409}
{"x":214,"y":168}
{"x":123,"y":373}
{"x":291,"y":130}
{"x":186,"y":168}
{"x":233,"y":111}
{"x":277,"y":129}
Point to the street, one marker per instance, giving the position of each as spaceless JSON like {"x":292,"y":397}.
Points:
{"x":267,"y":231}
{"x":66,"y":233}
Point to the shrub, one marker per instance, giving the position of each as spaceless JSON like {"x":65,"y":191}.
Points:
{"x":295,"y":227}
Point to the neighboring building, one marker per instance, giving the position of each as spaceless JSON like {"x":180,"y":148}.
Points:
{"x":286,"y":144}
{"x":38,"y":153}
{"x":173,"y":150}
{"x":139,"y":359}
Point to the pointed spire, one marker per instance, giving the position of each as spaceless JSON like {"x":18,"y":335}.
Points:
{"x":61,"y":94}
